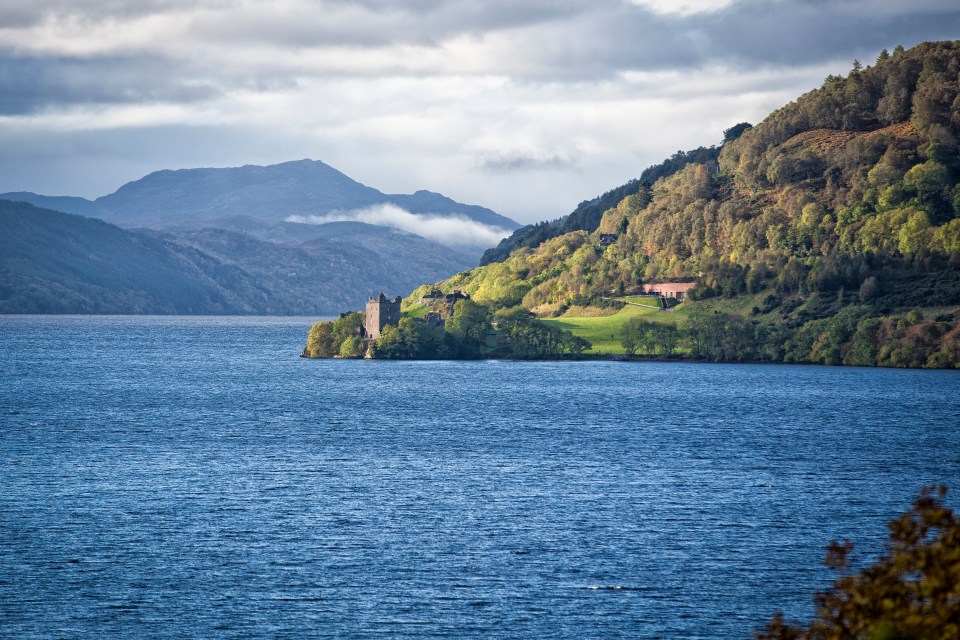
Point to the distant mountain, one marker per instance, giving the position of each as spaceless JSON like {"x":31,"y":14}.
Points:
{"x":332,"y":270}
{"x":64,"y":204}
{"x":223,"y":241}
{"x":53,"y":262}
{"x":201,"y":197}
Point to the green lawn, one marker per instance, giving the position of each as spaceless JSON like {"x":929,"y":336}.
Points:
{"x":604,"y":332}
{"x":649,"y":301}
{"x":417,"y":311}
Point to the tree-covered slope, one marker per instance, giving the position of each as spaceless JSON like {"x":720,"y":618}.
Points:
{"x":65,"y":204}
{"x":587,"y":215}
{"x":846,"y":198}
{"x":332,"y":272}
{"x":855,"y":175}
{"x":52,"y":262}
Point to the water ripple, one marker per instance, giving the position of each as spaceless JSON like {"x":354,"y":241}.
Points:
{"x":190,"y":477}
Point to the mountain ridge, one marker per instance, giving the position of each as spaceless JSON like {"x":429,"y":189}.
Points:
{"x":198,"y":196}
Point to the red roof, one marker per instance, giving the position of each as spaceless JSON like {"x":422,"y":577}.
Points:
{"x":669,"y":287}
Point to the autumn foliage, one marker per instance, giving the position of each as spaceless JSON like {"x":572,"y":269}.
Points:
{"x":912,"y":592}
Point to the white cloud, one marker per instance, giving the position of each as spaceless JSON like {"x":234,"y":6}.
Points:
{"x":683,"y":7}
{"x":448,"y":230}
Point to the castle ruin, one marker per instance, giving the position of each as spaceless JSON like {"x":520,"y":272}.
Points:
{"x":381,"y":311}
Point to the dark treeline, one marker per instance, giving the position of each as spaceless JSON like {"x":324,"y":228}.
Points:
{"x":852,"y":336}
{"x":468,"y":331}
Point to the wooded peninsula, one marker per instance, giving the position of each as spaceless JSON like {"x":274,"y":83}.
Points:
{"x":828,"y":233}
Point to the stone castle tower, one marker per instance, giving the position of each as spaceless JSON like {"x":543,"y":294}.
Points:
{"x":381,"y":311}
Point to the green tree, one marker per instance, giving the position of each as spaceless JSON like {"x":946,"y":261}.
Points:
{"x":411,"y":339}
{"x":737,"y":130}
{"x":634,"y":335}
{"x":863,"y":345}
{"x":347,"y":326}
{"x":869,"y":289}
{"x":531,"y":339}
{"x":467,"y":328}
{"x":665,"y":338}
{"x":390,"y":345}
{"x":932,"y":185}
{"x":352,"y":347}
{"x":321,"y":342}
{"x":325,"y":339}
{"x":720,"y":336}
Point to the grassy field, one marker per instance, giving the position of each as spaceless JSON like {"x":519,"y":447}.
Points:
{"x":417,"y":311}
{"x":604,"y":332}
{"x":649,"y":301}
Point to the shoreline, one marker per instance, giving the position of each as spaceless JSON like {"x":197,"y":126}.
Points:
{"x":625,"y":358}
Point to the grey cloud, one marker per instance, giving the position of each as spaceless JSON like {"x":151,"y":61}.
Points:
{"x":616,"y":37}
{"x":24,"y":14}
{"x":33,"y":83}
{"x":373,"y":23}
{"x":816,"y":31}
{"x":514,"y":162}
{"x":494,"y":66}
{"x":568,"y":33}
{"x":537,"y":41}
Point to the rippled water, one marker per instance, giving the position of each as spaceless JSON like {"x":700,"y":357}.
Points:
{"x":191,"y":477}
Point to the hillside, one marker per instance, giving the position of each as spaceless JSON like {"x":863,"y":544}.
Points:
{"x":287,"y":229}
{"x":333,"y":270}
{"x":52,"y":262}
{"x":832,"y":227}
{"x":587,"y":215}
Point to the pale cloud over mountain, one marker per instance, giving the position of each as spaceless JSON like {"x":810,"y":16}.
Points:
{"x":449,"y":230}
{"x":525,"y":109}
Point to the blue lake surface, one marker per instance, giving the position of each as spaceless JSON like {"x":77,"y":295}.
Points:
{"x":192,"y":477}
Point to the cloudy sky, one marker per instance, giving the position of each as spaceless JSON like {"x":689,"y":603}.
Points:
{"x":527,"y":107}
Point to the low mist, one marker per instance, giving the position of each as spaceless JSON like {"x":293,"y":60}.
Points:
{"x":447,"y":230}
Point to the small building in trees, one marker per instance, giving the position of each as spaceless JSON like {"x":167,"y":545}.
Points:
{"x":676,"y":290}
{"x":451,"y":298}
{"x":607,"y":239}
{"x":436,"y":295}
{"x":431,"y":296}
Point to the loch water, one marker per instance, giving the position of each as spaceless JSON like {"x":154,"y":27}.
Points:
{"x":193,"y":478}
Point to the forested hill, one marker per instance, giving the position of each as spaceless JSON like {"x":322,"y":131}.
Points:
{"x":857,"y":174}
{"x":836,"y":209}
{"x":53,"y":262}
{"x":587,"y":215}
